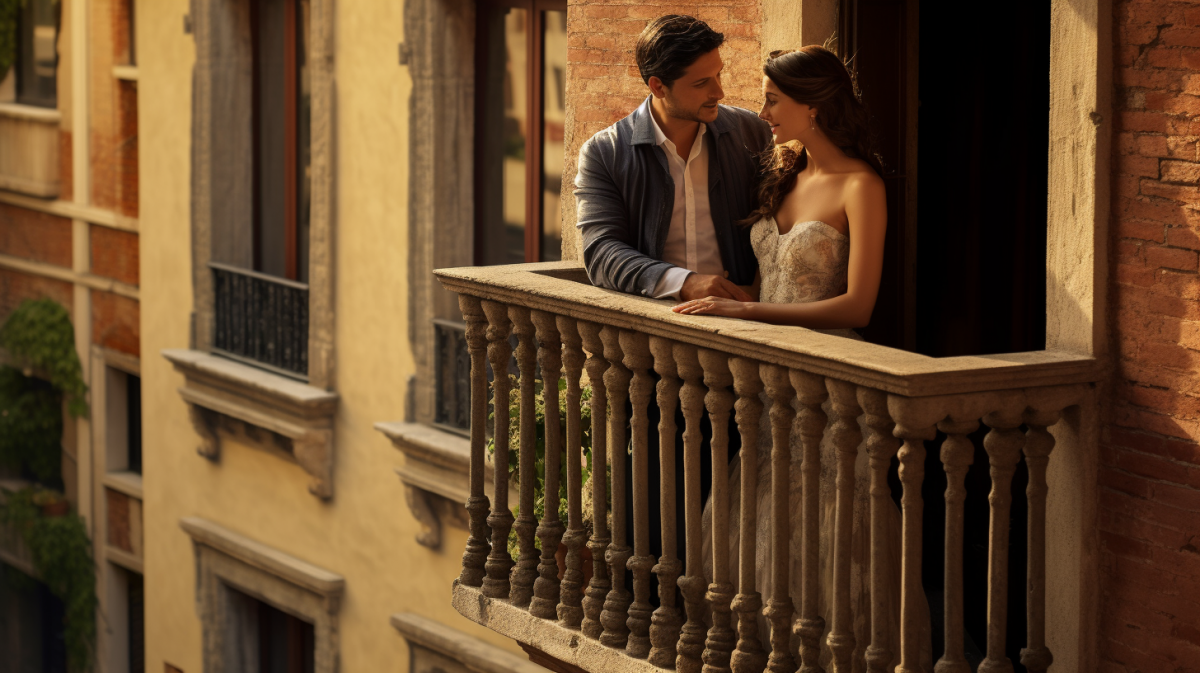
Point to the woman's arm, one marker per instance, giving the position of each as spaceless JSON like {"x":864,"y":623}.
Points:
{"x":866,"y":210}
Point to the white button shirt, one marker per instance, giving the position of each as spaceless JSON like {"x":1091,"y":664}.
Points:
{"x":691,"y":243}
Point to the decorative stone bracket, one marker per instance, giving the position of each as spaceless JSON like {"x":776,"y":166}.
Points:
{"x":268,"y":411}
{"x":434,"y":475}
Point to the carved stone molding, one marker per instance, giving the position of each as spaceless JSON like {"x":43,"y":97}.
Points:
{"x":232,"y":569}
{"x":434,"y":474}
{"x":228,"y":399}
{"x":434,"y":647}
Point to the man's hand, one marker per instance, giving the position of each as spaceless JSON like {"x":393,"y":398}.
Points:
{"x":699,"y":286}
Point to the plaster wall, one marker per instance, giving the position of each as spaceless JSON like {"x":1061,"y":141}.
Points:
{"x":366,"y":533}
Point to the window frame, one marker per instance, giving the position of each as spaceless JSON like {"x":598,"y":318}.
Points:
{"x":534,"y":137}
{"x":23,"y":16}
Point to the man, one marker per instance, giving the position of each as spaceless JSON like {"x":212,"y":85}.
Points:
{"x":659,"y":193}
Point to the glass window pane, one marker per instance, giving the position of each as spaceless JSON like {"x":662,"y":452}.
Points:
{"x":554,"y":114}
{"x":503,"y":90}
{"x":37,"y":56}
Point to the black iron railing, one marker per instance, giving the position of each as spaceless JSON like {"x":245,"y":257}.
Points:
{"x":452,"y":371}
{"x":261,"y":318}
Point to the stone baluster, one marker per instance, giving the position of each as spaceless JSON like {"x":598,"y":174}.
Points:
{"x":881,"y":446}
{"x":526,"y":525}
{"x":477,"y":549}
{"x":1039,"y":443}
{"x":916,"y":423}
{"x":749,"y":656}
{"x":593,"y":602}
{"x":616,"y":603}
{"x":691,"y":637}
{"x":1003,"y":444}
{"x":779,"y":606}
{"x":719,"y":401}
{"x":499,"y":563}
{"x":666,"y":620}
{"x":570,"y":610}
{"x":957,"y":455}
{"x":846,"y":438}
{"x":638,"y":360}
{"x":811,"y":393}
{"x":550,"y":531}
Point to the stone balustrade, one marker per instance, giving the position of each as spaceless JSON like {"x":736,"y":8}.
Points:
{"x":881,"y":402}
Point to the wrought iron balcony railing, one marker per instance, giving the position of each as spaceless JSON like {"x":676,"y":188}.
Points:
{"x":261,"y":319}
{"x":867,"y":399}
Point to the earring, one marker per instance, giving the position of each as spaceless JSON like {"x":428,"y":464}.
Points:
{"x":812,"y":122}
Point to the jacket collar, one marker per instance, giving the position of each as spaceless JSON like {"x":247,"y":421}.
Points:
{"x":642,"y":121}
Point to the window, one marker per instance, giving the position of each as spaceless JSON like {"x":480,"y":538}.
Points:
{"x":124,"y":421}
{"x":37,"y":53}
{"x":31,"y":625}
{"x":520,"y":111}
{"x":285,"y":643}
{"x":281,"y":131}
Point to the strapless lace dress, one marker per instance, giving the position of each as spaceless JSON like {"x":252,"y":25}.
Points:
{"x":809,"y":263}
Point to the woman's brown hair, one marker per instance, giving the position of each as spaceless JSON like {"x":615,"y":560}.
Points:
{"x":814,"y":76}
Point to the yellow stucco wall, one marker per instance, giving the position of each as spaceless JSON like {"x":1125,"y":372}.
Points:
{"x":367,"y":532}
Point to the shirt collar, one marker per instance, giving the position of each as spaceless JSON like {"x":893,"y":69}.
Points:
{"x":660,"y":137}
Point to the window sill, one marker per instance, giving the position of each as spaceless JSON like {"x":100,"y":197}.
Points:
{"x":32,"y":133}
{"x":267,"y":411}
{"x":129,"y":483}
{"x":435,"y":473}
{"x":129,"y":73}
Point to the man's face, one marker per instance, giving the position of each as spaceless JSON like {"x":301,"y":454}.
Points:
{"x":694,"y":96}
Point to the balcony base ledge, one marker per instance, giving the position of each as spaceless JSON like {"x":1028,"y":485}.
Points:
{"x":435,"y":475}
{"x":551,"y":638}
{"x":427,"y":636}
{"x":265,"y":410}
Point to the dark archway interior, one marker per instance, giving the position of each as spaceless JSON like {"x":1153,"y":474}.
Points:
{"x":976,"y":236}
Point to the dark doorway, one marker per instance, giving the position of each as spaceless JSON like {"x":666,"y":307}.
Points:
{"x":963,"y":127}
{"x":285,"y":643}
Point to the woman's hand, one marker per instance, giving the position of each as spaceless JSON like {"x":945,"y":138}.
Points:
{"x":730,"y":308}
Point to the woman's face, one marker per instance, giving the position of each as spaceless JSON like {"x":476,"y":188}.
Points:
{"x":789,"y":120}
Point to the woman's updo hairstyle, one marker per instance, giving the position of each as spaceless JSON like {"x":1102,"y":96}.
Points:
{"x":814,"y":76}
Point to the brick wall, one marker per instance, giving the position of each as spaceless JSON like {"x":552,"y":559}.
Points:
{"x":115,"y":322}
{"x":1150,"y":461}
{"x":114,"y":254}
{"x":35,"y":236}
{"x":604,"y":85}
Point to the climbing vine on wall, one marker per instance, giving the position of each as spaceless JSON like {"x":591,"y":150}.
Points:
{"x":10,"y":10}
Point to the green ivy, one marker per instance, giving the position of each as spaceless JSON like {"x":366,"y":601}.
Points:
{"x":39,"y":337}
{"x":10,"y":11}
{"x":62,"y":557}
{"x":514,"y":441}
{"x":31,"y":425}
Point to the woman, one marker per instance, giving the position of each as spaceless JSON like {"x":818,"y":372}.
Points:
{"x":818,"y":235}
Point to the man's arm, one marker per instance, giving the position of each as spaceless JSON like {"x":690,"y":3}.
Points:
{"x":611,"y":261}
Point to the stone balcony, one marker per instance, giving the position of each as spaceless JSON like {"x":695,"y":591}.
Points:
{"x":865,"y":400}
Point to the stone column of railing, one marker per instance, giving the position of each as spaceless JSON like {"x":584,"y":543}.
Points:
{"x":691,"y":637}
{"x":881,"y":445}
{"x":779,"y":606}
{"x":1039,"y":443}
{"x":916,"y":423}
{"x":1003,"y":444}
{"x":616,"y":381}
{"x":719,"y":401}
{"x":666,"y":621}
{"x":475,"y":555}
{"x":749,"y":656}
{"x":846,"y":438}
{"x":957,"y":455}
{"x":525,"y":573}
{"x":550,"y":531}
{"x":570,"y":611}
{"x":499,"y":562}
{"x":638,"y":360}
{"x":593,"y":602}
{"x":811,"y":394}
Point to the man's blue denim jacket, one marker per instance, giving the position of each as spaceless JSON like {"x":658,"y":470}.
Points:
{"x":624,"y":196}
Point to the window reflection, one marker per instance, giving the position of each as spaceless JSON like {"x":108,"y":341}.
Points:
{"x":554,"y":113}
{"x":504,"y":111}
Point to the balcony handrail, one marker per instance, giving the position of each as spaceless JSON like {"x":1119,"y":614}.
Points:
{"x":286,"y":282}
{"x":562,"y":288}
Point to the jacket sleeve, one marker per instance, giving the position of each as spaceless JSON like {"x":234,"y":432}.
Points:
{"x":609,"y":252}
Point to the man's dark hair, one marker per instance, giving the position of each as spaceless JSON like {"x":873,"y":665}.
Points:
{"x":671,"y":43}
